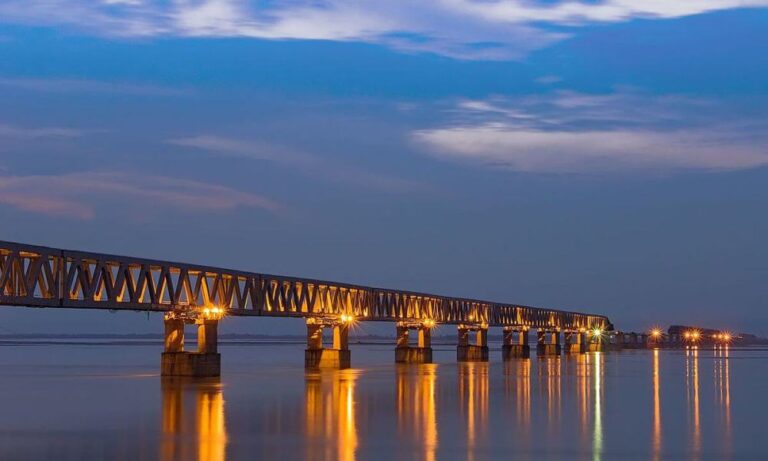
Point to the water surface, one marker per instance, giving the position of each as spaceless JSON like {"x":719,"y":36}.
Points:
{"x":84,"y":402}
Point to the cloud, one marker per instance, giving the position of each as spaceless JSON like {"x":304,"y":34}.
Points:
{"x":237,"y":148}
{"x":568,"y":132}
{"x":462,"y":29}
{"x":90,"y":86}
{"x":308,"y":164}
{"x":12,"y":131}
{"x":79,"y":195}
{"x":548,"y":79}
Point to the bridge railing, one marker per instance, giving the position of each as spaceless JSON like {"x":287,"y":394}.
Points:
{"x":46,"y":277}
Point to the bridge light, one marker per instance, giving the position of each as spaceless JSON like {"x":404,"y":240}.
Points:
{"x":597,"y":332}
{"x":696,"y":335}
{"x":345,"y":318}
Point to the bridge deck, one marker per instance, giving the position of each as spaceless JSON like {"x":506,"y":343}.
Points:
{"x":37,"y":276}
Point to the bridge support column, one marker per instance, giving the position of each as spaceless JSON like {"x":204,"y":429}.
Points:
{"x":317,"y":355}
{"x":595,"y":342}
{"x":548,"y":343}
{"x":204,"y":363}
{"x":515,"y":347}
{"x":616,"y":341}
{"x":422,"y":352}
{"x":575,"y":342}
{"x":478,"y":352}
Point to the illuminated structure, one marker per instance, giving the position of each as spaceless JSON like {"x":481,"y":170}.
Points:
{"x":37,"y":276}
{"x":693,"y":336}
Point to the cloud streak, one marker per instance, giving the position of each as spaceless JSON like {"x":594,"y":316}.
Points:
{"x":90,"y":86}
{"x":13,"y":131}
{"x":462,"y":29}
{"x":307,"y":164}
{"x":79,"y":195}
{"x":579,"y":133}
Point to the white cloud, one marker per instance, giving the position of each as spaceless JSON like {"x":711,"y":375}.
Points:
{"x":464,"y":29}
{"x":79,"y":195}
{"x":578,"y":133}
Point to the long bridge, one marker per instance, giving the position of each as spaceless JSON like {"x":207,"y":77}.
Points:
{"x":38,"y":276}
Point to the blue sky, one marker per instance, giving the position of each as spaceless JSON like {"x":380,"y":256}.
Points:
{"x":607,"y":156}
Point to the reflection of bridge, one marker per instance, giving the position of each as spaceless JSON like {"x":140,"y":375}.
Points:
{"x":37,"y":276}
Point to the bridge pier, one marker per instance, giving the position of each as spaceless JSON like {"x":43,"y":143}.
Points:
{"x":548,"y":343}
{"x":316,"y":355}
{"x":596,"y":342}
{"x":575,"y":342}
{"x":477,"y":352}
{"x":206,"y":362}
{"x":515,"y":347}
{"x":422,"y":352}
{"x":616,"y":341}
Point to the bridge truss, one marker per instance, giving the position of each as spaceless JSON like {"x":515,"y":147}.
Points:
{"x":36,"y":276}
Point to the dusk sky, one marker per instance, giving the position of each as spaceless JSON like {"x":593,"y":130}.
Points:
{"x":603,"y":156}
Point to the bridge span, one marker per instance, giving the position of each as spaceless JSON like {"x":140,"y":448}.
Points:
{"x":38,"y":276}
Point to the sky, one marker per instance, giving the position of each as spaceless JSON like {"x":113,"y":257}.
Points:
{"x":608,"y":156}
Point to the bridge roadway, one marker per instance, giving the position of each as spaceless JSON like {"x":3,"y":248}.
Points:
{"x":37,"y":276}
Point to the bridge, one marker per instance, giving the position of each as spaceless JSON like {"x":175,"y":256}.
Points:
{"x":43,"y":277}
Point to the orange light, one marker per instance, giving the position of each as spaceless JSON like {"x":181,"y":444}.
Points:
{"x":696,"y":335}
{"x":655,"y":332}
{"x":687,"y":335}
{"x":347,"y":318}
{"x":429,"y":323}
{"x":726,"y":337}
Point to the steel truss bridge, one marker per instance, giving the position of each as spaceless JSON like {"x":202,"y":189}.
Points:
{"x":37,"y":276}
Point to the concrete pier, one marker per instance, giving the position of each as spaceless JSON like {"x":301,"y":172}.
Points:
{"x":575,"y":342}
{"x":596,"y":347}
{"x":615,"y":340}
{"x":515,"y":343}
{"x":596,"y":342}
{"x":422,"y":352}
{"x":548,"y":343}
{"x":317,"y":355}
{"x":175,"y":361}
{"x":477,"y":352}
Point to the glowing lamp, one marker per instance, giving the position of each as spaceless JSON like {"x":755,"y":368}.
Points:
{"x":346,"y":318}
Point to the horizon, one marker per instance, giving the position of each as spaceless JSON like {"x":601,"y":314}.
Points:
{"x":611,"y":160}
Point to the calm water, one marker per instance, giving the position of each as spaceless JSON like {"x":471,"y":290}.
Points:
{"x":108,"y":402}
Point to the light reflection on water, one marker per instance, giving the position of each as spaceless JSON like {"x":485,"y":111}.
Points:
{"x":331,"y":427}
{"x":597,"y":406}
{"x":417,"y":407}
{"x":193,"y":421}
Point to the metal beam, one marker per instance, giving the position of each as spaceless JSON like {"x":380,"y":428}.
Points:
{"x":36,"y":276}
